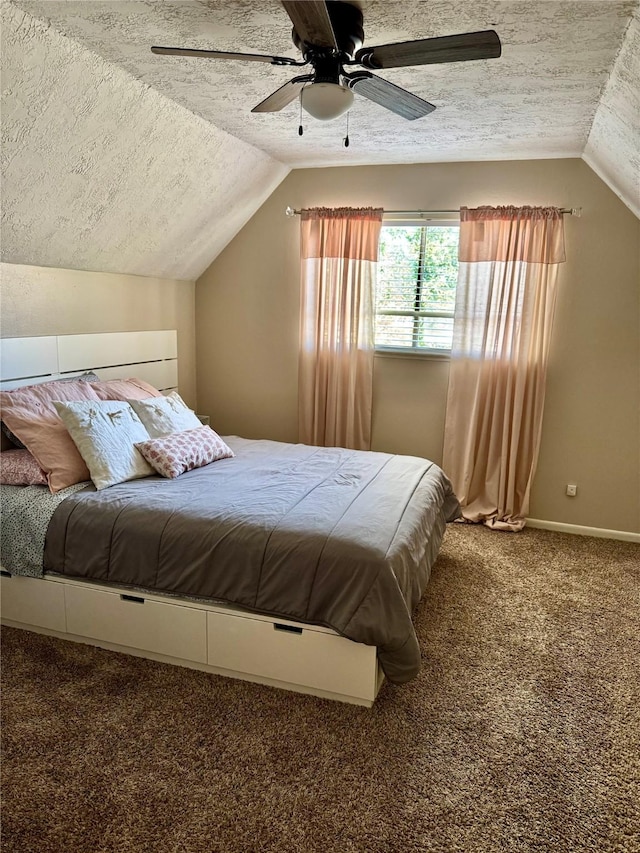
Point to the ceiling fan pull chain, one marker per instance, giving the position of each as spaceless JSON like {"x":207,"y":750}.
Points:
{"x":346,"y":139}
{"x":300,"y":128}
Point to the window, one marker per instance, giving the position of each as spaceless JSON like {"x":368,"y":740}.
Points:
{"x":416,"y":287}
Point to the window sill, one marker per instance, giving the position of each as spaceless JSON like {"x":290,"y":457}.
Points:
{"x":428,"y":354}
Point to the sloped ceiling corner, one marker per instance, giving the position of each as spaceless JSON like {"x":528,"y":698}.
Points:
{"x":613,"y":147}
{"x":101,"y":172}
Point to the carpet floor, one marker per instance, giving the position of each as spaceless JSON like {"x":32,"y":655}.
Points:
{"x":521,"y":733}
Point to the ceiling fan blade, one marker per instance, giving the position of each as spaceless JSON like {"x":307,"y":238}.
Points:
{"x":390,"y":96}
{"x":224,"y":54}
{"x":284,"y":95}
{"x":311,"y":21}
{"x":460,"y":48}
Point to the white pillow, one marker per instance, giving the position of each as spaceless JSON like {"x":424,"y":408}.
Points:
{"x":165,"y":415}
{"x":105,"y":431}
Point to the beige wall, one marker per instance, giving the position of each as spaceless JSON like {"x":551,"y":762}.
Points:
{"x":247,"y":329}
{"x":48,"y":301}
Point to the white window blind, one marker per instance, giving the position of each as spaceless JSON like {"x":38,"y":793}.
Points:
{"x":416,"y":287}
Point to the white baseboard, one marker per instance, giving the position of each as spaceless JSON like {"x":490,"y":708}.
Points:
{"x":581,"y":530}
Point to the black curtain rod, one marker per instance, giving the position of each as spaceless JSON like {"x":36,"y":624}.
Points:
{"x":573,"y":211}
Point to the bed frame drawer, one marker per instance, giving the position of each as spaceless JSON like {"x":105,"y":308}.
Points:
{"x":213,"y":637}
{"x":131,"y":620}
{"x":25,"y":600}
{"x":296,"y":654}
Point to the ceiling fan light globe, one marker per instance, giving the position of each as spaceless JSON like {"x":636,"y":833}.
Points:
{"x":326,"y":101}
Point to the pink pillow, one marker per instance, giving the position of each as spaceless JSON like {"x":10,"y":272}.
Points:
{"x":124,"y":389}
{"x":19,"y":468}
{"x":178,"y":452}
{"x":30,"y":414}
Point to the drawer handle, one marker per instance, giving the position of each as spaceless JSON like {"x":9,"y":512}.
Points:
{"x":291,"y":629}
{"x":5,"y":574}
{"x":134,"y":598}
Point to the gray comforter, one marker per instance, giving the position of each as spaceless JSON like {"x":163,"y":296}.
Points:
{"x":329,"y":536}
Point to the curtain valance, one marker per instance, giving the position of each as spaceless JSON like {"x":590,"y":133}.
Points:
{"x":531,"y":234}
{"x":341,"y":232}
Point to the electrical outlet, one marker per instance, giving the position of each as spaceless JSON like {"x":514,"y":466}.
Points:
{"x":572,"y":490}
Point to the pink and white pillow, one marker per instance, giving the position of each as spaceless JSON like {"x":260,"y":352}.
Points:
{"x":174,"y":454}
{"x":20,"y":468}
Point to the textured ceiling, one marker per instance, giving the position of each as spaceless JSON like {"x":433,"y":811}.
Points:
{"x":538,"y":100}
{"x":100,"y":172}
{"x":115,"y":159}
{"x":613,"y":148}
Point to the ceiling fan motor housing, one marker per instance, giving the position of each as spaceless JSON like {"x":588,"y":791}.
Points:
{"x":346,"y":21}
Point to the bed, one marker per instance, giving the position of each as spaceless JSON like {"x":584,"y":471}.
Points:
{"x":289,"y":565}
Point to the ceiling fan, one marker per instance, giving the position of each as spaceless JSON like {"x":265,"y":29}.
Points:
{"x":330,"y":36}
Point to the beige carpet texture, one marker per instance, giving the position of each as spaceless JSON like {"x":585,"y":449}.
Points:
{"x":521,"y":733}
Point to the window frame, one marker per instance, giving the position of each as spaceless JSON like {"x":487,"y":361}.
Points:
{"x":416,"y":352}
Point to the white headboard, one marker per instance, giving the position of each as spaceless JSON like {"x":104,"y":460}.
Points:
{"x":152,"y":356}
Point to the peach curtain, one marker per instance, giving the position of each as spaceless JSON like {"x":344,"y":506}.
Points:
{"x":339,"y":250}
{"x":504,"y":311}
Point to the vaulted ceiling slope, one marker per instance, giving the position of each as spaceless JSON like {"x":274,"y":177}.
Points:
{"x":613,"y":148}
{"x":102,"y":172}
{"x":115,"y":159}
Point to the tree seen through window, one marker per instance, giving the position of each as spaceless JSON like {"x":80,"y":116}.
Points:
{"x":416,"y":287}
